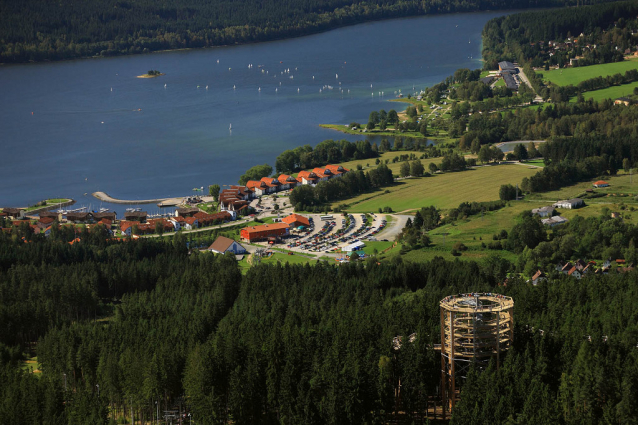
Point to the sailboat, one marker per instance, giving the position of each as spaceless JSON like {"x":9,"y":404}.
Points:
{"x":230,"y":127}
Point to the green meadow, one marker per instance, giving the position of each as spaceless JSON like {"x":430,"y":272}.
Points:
{"x":445,"y":190}
{"x":566,"y":76}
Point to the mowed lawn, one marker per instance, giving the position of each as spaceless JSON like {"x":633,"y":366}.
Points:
{"x":621,"y":184}
{"x":566,"y":76}
{"x":446,"y":190}
{"x":609,"y":93}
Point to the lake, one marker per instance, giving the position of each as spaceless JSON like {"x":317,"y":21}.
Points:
{"x":72,"y":128}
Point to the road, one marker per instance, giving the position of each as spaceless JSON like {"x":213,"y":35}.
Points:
{"x":523,"y":77}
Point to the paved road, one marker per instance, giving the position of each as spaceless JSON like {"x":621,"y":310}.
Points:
{"x":523,"y":77}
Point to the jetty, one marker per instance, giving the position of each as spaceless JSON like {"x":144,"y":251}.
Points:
{"x":102,"y":196}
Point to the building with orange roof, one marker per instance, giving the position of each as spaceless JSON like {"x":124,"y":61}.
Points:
{"x":601,"y":183}
{"x":286,"y":181}
{"x":257,"y":186}
{"x":264,"y":231}
{"x":296,"y":220}
{"x":307,"y":177}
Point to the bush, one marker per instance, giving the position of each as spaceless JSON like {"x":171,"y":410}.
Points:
{"x":455,"y":253}
{"x":459,"y":247}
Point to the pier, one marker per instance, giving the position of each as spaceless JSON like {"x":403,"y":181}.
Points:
{"x":102,"y":196}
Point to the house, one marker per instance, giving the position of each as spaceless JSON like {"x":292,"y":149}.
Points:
{"x":258,"y":187}
{"x":14,"y":213}
{"x":264,"y":231}
{"x":487,"y":80}
{"x":580,"y":264}
{"x":186,"y":212}
{"x":126,"y":227}
{"x":307,"y":177}
{"x":538,"y":277}
{"x":51,"y":214}
{"x":44,"y":222}
{"x":623,"y":101}
{"x":103,"y":215}
{"x":178,"y":222}
{"x":554,"y":221}
{"x":287,"y":182}
{"x":206,"y":219}
{"x":107,"y":225}
{"x":271,"y":184}
{"x":296,"y":220}
{"x":566,"y":267}
{"x":574,"y":272}
{"x":570,"y":203}
{"x":79,"y":217}
{"x":544,"y":211}
{"x":601,"y":183}
{"x":167,"y":225}
{"x":506,"y":66}
{"x":191,"y":223}
{"x":510,"y":82}
{"x":136,"y":216}
{"x":223,"y":245}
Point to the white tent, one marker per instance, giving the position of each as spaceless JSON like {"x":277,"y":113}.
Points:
{"x":353,"y":247}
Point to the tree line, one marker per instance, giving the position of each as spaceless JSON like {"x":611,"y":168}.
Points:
{"x":39,"y":30}
{"x":524,"y":37}
{"x":348,"y":185}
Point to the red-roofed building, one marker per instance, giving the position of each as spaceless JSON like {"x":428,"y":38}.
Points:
{"x":191,"y":223}
{"x":296,"y":220}
{"x":126,"y":227}
{"x":601,"y":183}
{"x":264,"y":231}
{"x":287,"y":182}
{"x":44,"y":222}
{"x":307,"y":177}
{"x":258,"y":187}
{"x":337,"y":169}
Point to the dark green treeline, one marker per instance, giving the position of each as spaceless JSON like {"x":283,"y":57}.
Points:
{"x":36,"y":30}
{"x":294,"y":344}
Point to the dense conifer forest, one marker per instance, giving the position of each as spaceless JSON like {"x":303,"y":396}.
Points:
{"x":525,"y":37}
{"x":124,"y":324}
{"x":37,"y":30}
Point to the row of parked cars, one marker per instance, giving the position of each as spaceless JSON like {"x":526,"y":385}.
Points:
{"x":325,"y":241}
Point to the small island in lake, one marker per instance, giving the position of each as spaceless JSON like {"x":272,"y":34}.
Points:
{"x":151,"y":74}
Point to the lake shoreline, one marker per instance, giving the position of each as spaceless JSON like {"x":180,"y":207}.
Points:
{"x":291,"y":37}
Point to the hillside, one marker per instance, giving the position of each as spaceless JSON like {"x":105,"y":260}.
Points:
{"x":37,"y":30}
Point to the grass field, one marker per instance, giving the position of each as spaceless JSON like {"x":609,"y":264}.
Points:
{"x":378,"y":245}
{"x":621,"y":184}
{"x":369,"y":163}
{"x":610,"y":92}
{"x":445,"y":190}
{"x":566,"y":76}
{"x":31,"y":365}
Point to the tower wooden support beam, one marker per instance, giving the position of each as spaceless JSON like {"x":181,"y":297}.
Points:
{"x":474,"y":328}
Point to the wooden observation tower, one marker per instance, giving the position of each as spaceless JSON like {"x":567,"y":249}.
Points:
{"x":474,"y":328}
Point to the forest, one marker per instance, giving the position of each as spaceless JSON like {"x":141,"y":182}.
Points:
{"x":118,"y":326}
{"x":525,"y":37}
{"x":37,"y":30}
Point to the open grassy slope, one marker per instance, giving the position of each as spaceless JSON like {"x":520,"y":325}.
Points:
{"x":445,"y":190}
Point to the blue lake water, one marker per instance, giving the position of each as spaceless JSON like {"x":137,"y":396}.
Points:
{"x":72,"y":128}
